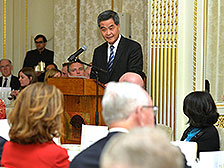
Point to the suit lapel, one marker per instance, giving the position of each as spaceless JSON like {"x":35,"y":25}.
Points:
{"x":104,"y":57}
{"x":1,"y":80}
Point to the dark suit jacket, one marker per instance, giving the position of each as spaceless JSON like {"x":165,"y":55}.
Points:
{"x":128,"y":58}
{"x":207,"y":139}
{"x":2,"y":142}
{"x":14,"y":84}
{"x":89,"y":158}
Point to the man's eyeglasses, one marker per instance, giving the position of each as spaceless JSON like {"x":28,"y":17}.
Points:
{"x":154,"y":109}
{"x":6,"y":66}
{"x":39,"y":42}
{"x":75,"y":70}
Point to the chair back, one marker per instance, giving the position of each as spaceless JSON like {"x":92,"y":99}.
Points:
{"x":2,"y":110}
{"x":221,"y":137}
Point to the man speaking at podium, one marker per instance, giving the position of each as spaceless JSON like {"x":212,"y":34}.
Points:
{"x":118,"y":54}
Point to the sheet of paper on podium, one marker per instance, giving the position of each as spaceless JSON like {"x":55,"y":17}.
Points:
{"x":91,"y":134}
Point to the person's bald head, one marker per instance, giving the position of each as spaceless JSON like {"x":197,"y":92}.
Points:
{"x":132,"y":77}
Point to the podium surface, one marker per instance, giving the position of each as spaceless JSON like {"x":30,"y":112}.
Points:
{"x":79,"y":106}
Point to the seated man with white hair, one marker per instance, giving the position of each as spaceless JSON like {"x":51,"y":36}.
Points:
{"x":125,"y":106}
{"x":141,"y":148}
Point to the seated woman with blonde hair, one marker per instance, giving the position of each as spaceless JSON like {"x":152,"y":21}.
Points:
{"x":51,"y":73}
{"x":34,"y":122}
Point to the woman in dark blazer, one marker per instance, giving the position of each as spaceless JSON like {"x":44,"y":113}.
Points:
{"x":201,"y":111}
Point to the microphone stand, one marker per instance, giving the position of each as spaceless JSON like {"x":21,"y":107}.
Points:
{"x":96,"y":71}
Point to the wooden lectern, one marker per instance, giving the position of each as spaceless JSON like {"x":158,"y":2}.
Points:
{"x":79,"y":106}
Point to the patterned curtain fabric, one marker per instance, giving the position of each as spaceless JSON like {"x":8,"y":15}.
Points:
{"x":65,"y":37}
{"x":215,"y":48}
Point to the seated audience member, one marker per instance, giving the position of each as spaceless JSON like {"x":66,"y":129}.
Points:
{"x":51,"y":66}
{"x":125,"y":106}
{"x":132,"y":78}
{"x":135,"y":78}
{"x":2,"y":142}
{"x":76,"y":69}
{"x":64,"y":69}
{"x":88,"y":71}
{"x":141,"y":148}
{"x":27,"y":76}
{"x":34,"y":122}
{"x":7,"y":79}
{"x":52,"y":73}
{"x":201,"y":111}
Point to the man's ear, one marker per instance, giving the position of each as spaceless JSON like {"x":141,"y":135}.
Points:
{"x":140,"y":116}
{"x":119,"y":27}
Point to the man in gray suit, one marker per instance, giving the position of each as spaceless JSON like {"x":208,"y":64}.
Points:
{"x":125,"y":106}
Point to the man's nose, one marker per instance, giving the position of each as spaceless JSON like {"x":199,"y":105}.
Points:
{"x":108,"y":32}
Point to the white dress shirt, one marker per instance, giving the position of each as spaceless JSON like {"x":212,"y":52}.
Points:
{"x":8,"y":81}
{"x":115,"y":48}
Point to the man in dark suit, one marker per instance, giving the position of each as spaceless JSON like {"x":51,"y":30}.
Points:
{"x":33,"y":57}
{"x":118,"y":54}
{"x":2,"y":142}
{"x":125,"y":106}
{"x":7,"y":79}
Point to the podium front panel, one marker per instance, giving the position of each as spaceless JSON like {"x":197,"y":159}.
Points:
{"x":79,"y":106}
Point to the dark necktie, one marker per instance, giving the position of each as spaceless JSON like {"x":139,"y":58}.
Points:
{"x":5,"y":82}
{"x":111,"y":59}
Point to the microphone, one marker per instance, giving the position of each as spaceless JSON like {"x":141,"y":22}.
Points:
{"x":73,"y":56}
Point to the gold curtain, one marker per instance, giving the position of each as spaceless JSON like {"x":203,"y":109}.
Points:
{"x":215,"y":48}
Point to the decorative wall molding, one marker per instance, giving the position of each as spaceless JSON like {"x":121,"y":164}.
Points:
{"x":163,"y":44}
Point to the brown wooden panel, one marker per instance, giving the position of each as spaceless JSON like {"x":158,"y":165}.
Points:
{"x":80,"y":106}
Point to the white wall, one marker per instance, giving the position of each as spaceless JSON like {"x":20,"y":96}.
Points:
{"x":25,"y":19}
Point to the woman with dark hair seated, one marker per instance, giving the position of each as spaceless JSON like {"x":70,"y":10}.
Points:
{"x":26,"y":76}
{"x":201,"y":111}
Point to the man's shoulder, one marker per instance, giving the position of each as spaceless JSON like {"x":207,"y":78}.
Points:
{"x":129,"y":41}
{"x":47,"y":50}
{"x":100,"y":47}
{"x":14,"y":77}
{"x":32,"y":51}
{"x":90,"y":156}
{"x":95,"y":148}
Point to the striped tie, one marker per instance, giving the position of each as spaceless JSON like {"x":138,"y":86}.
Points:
{"x":111,"y":59}
{"x":5,"y":82}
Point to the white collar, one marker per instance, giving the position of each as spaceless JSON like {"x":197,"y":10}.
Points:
{"x":118,"y":129}
{"x":9,"y":77}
